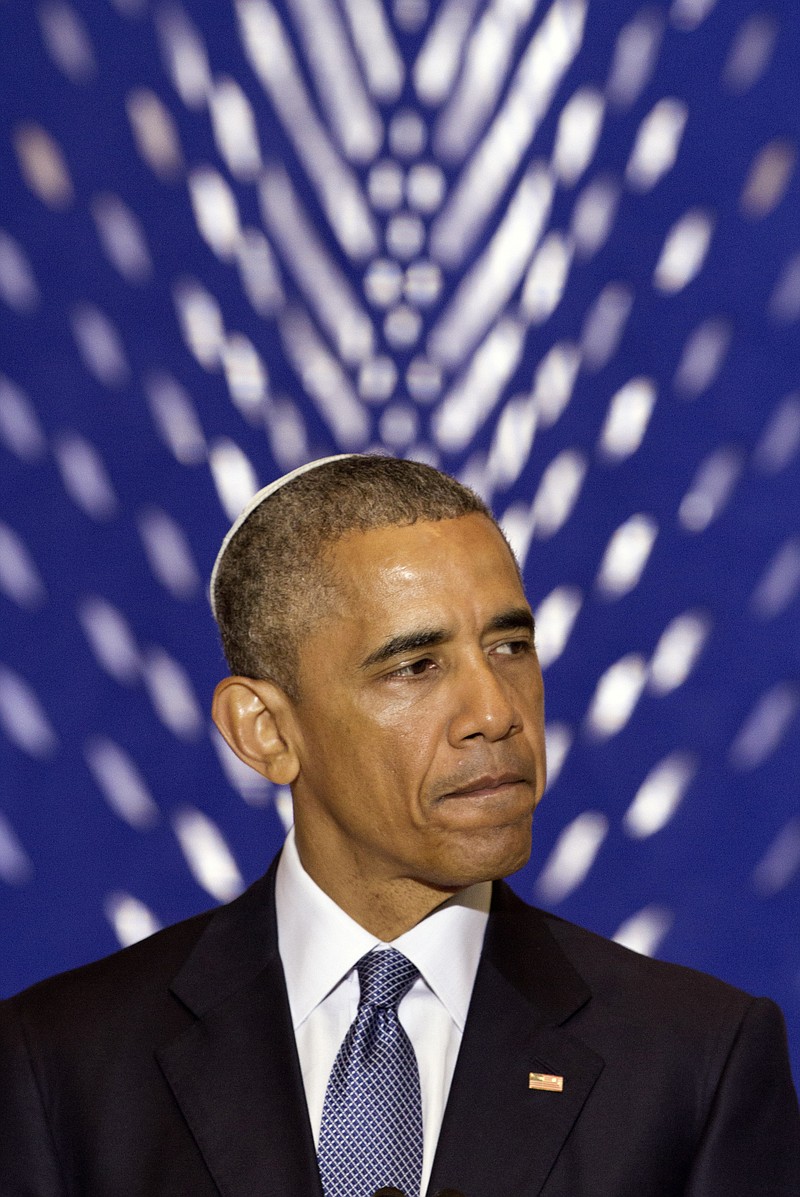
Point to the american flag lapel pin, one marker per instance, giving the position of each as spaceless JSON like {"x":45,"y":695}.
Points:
{"x":546,"y":1082}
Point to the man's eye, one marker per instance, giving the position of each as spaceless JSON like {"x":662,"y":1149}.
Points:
{"x":413,"y":668}
{"x":513,"y":648}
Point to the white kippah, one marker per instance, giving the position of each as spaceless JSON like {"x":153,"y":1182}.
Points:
{"x":256,"y":501}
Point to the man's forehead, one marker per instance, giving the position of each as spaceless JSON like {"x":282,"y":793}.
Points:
{"x":436,"y":556}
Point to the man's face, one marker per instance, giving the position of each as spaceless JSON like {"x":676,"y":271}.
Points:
{"x":419,"y":724}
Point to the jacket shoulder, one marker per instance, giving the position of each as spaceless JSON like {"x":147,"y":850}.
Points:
{"x":646,"y":989}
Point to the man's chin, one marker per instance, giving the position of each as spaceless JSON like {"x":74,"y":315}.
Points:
{"x":484,"y":858}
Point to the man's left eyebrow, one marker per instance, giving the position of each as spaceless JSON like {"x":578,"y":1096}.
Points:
{"x":511,"y":621}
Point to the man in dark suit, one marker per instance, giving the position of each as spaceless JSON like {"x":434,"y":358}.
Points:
{"x":383,"y":666}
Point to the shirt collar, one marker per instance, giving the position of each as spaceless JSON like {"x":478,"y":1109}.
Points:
{"x":319,"y":944}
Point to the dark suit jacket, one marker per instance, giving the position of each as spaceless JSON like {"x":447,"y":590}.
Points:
{"x":170,"y":1068}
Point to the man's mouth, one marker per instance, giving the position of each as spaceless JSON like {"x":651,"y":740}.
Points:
{"x":487,"y":784}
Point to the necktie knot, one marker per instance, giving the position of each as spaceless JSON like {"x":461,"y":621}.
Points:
{"x":385,"y":976}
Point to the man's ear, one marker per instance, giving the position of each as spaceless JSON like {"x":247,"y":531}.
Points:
{"x":254,"y":716}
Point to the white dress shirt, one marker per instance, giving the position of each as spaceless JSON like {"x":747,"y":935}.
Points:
{"x":320,"y":946}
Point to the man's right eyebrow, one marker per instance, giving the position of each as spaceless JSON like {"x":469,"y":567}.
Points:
{"x":406,"y":642}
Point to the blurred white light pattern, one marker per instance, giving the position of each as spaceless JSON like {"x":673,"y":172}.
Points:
{"x":377,"y":379}
{"x":558,"y":492}
{"x":130,"y":919}
{"x":324,"y":285}
{"x":768,"y":179}
{"x":684,"y":252}
{"x":440,"y":58}
{"x":465,"y":408}
{"x":780,"y":864}
{"x":259,"y":272}
{"x":689,"y":14}
{"x":577,"y":134}
{"x":175,"y":418}
{"x":425,"y":186}
{"x":424,"y":380}
{"x":784,"y":304}
{"x":16,"y":867}
{"x":168,"y":553}
{"x":710,"y":489}
{"x":546,"y":278}
{"x":573,"y":855}
{"x":593,"y":215}
{"x":517,"y":525}
{"x":171,"y":694}
{"x":184,"y":54}
{"x":67,"y":40}
{"x":272,"y":58}
{"x":555,"y":618}
{"x":488,"y":172}
{"x":485,"y":69}
{"x":287,"y":434}
{"x":20,"y":579}
{"x":512,"y":441}
{"x":84,"y":476}
{"x":385,"y":186}
{"x":405,"y":235}
{"x":324,"y":380}
{"x":201,"y":322}
{"x":338,"y":81}
{"x":215,"y":211}
{"x":154,"y":133}
{"x":122,"y":237}
{"x":383,"y":282}
{"x":616,"y":695}
{"x":604,"y":325}
{"x":120,"y":782}
{"x":660,"y":795}
{"x":703,"y":356}
{"x":780,"y":441}
{"x":554,"y":381}
{"x":251,"y":786}
{"x":208,"y":856}
{"x":765,"y":727}
{"x":19,"y":425}
{"x":626,"y":555}
{"x":423,"y":283}
{"x":22,"y":718}
{"x":643,"y":932}
{"x":635,"y":56}
{"x":626,"y":421}
{"x":780,"y":583}
{"x":657,"y":142}
{"x":42,"y":165}
{"x":558,"y":739}
{"x":284,"y":806}
{"x":99,"y":345}
{"x":489,"y":284}
{"x":235,"y":132}
{"x":399,"y":426}
{"x":750,"y":52}
{"x":383,"y":67}
{"x":408,"y":134}
{"x":234,"y":477}
{"x":110,"y":639}
{"x":246,"y":376}
{"x":677,"y":651}
{"x":18,"y":287}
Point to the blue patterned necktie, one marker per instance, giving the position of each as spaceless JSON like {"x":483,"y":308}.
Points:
{"x":371,"y":1130}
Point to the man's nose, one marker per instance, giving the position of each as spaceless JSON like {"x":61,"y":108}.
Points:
{"x":483,"y":704}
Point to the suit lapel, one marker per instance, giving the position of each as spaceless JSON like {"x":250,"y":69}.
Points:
{"x":500,"y":1138}
{"x":235,"y":1073}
